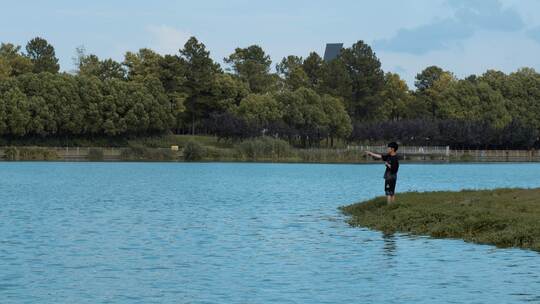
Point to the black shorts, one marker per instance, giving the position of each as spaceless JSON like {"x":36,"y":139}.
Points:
{"x":390,"y":186}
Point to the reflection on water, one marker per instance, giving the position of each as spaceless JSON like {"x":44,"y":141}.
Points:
{"x":240,"y":233}
{"x":389,"y":245}
{"x":389,"y":250}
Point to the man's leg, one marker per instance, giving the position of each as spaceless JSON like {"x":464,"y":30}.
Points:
{"x":389,"y":188}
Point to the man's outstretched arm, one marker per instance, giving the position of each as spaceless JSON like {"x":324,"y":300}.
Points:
{"x":373,"y":154}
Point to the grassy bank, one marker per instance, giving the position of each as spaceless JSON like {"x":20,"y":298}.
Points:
{"x":211,"y":149}
{"x":501,"y":217}
{"x":190,"y":148}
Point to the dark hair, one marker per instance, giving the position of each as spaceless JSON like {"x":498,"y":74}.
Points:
{"x":393,"y":145}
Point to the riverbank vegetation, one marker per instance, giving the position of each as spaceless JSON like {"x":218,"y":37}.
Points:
{"x":190,"y":148}
{"x":501,"y":217}
{"x":306,"y":102}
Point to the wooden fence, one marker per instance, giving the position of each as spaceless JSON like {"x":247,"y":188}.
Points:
{"x":407,"y":150}
{"x":495,"y":155}
{"x":445,"y":153}
{"x":413,"y":153}
{"x":81,"y":153}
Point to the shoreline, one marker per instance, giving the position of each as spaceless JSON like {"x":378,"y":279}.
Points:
{"x":415,"y":162}
{"x":505,"y":217}
{"x":259,"y":149}
{"x":265,"y":150}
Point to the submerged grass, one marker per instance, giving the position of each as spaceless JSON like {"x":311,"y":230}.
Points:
{"x":500,"y":217}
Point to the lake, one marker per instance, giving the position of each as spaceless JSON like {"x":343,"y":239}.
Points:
{"x":241,"y":233}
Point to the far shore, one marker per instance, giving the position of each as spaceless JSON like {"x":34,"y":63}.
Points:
{"x":232,"y":161}
{"x":267,"y":149}
{"x":500,"y":217}
{"x":253,"y":151}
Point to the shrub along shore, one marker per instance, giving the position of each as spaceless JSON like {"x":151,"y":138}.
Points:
{"x":212,"y":148}
{"x":500,"y":217}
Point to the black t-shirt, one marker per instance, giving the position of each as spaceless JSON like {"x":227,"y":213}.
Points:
{"x":393,"y":160}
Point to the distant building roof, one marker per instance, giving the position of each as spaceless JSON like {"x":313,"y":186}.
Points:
{"x":332,"y":51}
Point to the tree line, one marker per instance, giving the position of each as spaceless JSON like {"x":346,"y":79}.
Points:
{"x":304,"y":101}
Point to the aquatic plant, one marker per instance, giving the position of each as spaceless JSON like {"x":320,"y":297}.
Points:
{"x":501,"y":217}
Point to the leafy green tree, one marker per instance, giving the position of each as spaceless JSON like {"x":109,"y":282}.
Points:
{"x":309,"y":101}
{"x":496,"y":80}
{"x":113,"y":108}
{"x":140,"y":113}
{"x":396,"y":101}
{"x":297,"y":78}
{"x":304,"y":112}
{"x":42,"y":55}
{"x":143,"y":63}
{"x":40,"y":116}
{"x":16,"y":109}
{"x":89,"y":65}
{"x":434,"y":97}
{"x":252,"y":65}
{"x":227,"y":91}
{"x":12,"y":62}
{"x":366,"y":79}
{"x":103,"y":69}
{"x":172,"y":73}
{"x":293,"y":72}
{"x":313,"y":67}
{"x":521,"y":90}
{"x":61,"y":95}
{"x":200,"y":76}
{"x":91,"y":95}
{"x":287,"y":64}
{"x":158,"y":106}
{"x":469,"y":101}
{"x":5,"y":68}
{"x":339,"y":122}
{"x":452,"y":99}
{"x":336,"y":81}
{"x":4,"y":130}
{"x":111,"y":69}
{"x":259,"y":110}
{"x":491,"y":108}
{"x":427,"y":77}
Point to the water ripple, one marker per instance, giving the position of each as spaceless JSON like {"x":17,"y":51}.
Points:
{"x":240,"y":233}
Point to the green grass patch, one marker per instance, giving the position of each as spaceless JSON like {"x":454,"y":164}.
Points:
{"x":95,"y":154}
{"x":501,"y":217}
{"x":147,"y":154}
{"x":166,"y":141}
{"x":29,"y":153}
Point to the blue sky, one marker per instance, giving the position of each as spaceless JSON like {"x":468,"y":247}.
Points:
{"x":464,"y":36}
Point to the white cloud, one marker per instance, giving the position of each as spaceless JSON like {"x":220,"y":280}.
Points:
{"x":470,"y":16}
{"x":166,"y":39}
{"x":485,"y":50}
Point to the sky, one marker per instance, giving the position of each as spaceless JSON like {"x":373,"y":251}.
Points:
{"x":462,"y":36}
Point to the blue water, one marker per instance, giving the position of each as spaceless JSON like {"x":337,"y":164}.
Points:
{"x":240,"y":233}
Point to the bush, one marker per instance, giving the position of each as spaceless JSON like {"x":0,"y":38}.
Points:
{"x":37,"y":154}
{"x":160,"y":154}
{"x":95,"y":154}
{"x":11,"y":153}
{"x":147,"y":154}
{"x":193,"y":151}
{"x":466,"y":157}
{"x":132,"y":153}
{"x":264,"y":148}
{"x":220,"y":154}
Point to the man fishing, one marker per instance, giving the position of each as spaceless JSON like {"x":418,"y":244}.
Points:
{"x":391,"y":162}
